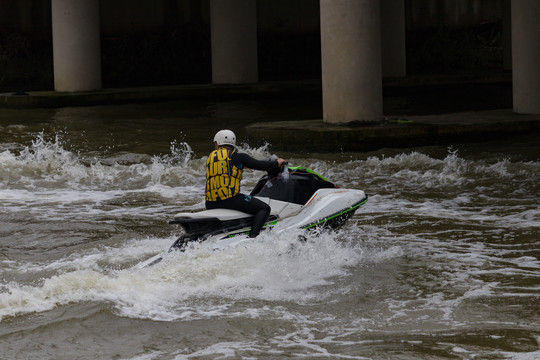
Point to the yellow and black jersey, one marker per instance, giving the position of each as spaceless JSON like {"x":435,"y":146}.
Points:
{"x":222,"y":176}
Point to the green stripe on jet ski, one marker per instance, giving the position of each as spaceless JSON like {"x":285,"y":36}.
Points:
{"x":354,"y":207}
{"x":309,"y":171}
{"x":246,"y":232}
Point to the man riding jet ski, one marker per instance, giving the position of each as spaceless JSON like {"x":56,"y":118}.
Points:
{"x":285,"y":199}
{"x":223,"y":175}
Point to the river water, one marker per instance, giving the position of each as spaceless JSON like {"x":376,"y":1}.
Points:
{"x":442,"y":262}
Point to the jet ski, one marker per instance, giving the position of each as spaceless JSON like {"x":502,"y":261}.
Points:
{"x":299,"y":198}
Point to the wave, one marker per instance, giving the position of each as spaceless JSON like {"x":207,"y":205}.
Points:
{"x":271,"y":268}
{"x":47,"y":164}
{"x":50,"y":181}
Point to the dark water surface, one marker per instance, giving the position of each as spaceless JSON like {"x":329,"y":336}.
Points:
{"x":442,"y":262}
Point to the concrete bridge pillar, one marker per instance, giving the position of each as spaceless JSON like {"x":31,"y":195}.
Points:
{"x":526,"y":56}
{"x":76,"y":45}
{"x":233,"y":30}
{"x":351,"y":60}
{"x":506,"y":35}
{"x":393,"y":38}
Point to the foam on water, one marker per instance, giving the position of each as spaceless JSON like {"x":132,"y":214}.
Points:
{"x":46,"y":164}
{"x":434,"y":244}
{"x":269,"y":269}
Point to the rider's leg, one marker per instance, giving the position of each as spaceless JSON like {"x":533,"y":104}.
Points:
{"x":248,"y":204}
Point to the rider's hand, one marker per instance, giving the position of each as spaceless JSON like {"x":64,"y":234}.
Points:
{"x":281,"y":161}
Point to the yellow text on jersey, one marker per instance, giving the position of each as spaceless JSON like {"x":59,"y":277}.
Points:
{"x":222,"y":176}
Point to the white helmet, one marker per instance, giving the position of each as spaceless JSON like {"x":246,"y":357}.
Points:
{"x":225,"y":137}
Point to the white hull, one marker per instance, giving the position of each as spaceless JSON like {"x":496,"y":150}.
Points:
{"x":324,"y":207}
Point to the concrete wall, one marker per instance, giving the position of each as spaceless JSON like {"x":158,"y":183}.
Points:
{"x":132,"y":16}
{"x":34,"y":16}
{"x":26,"y":16}
{"x":452,"y":13}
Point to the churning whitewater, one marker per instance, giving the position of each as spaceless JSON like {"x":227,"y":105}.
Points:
{"x":56,"y":184}
{"x":443,"y":259}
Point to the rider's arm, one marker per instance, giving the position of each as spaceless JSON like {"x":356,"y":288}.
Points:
{"x":251,"y":163}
